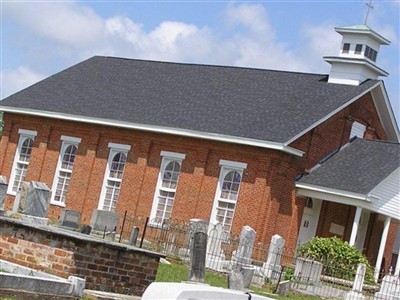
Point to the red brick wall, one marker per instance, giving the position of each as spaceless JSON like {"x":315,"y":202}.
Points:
{"x":267,"y":200}
{"x":106,"y":267}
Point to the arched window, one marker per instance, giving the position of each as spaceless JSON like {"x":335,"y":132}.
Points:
{"x":228,"y":197}
{"x":63,"y":173}
{"x":22,"y":163}
{"x":166,"y":186}
{"x":113,"y":176}
{"x":114,"y":181}
{"x":21,"y":160}
{"x":227,"y":193}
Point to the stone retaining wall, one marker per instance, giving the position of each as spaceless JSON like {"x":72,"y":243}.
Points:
{"x":106,"y":266}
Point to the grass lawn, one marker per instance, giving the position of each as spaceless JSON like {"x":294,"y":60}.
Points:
{"x":177,"y":272}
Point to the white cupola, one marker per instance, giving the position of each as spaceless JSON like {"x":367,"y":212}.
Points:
{"x":357,"y":58}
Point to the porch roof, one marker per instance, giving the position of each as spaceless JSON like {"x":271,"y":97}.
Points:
{"x":366,"y":170}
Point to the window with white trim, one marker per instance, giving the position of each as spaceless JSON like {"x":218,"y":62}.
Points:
{"x":63,"y":173}
{"x":21,"y":160}
{"x":167,"y":183}
{"x":358,"y":130}
{"x":227,"y":193}
{"x":113,"y":176}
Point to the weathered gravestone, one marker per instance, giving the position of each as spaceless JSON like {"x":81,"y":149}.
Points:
{"x":390,"y":288}
{"x":3,"y":191}
{"x":245,"y":248}
{"x":103,"y":220}
{"x":20,"y":198}
{"x":86,"y":229}
{"x":235,"y":280}
{"x":198,"y":250}
{"x":215,"y":255}
{"x":308,"y":271}
{"x":243,"y":255}
{"x":195,"y":225}
{"x":37,"y":200}
{"x":70,"y":218}
{"x":272,"y":266}
{"x":356,"y":291}
{"x":134,"y":235}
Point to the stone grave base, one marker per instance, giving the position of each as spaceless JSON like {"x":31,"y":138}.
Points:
{"x":33,"y":219}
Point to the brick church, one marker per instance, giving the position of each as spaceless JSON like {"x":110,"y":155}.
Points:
{"x":241,"y":146}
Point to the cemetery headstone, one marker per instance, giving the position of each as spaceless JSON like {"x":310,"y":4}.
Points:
{"x":247,"y":272}
{"x":37,"y":200}
{"x":308,"y":271}
{"x":134,"y":235}
{"x":235,"y":280}
{"x":245,"y":248}
{"x":86,"y":229}
{"x":3,"y":191}
{"x":356,"y":291}
{"x":215,"y":255}
{"x":215,"y":240}
{"x":198,"y":250}
{"x":110,"y":235}
{"x":273,"y":264}
{"x":70,"y":218}
{"x":283,"y":288}
{"x":194,"y":225}
{"x":20,"y":198}
{"x":103,"y":220}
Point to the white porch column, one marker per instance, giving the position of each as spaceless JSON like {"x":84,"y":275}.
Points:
{"x":382,"y":248}
{"x":356,"y":223}
{"x":397,"y":268}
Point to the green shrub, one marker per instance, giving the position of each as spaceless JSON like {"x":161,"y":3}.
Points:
{"x":338,"y":257}
{"x":289,"y":272}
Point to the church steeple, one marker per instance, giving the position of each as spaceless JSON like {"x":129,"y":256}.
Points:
{"x":356,"y":61}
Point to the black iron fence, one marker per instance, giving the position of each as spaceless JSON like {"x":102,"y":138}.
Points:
{"x":273,"y":264}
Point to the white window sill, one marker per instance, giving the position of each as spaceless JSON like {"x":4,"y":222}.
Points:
{"x":56,"y":203}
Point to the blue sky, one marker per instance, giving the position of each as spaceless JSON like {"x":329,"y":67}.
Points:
{"x":40,"y":38}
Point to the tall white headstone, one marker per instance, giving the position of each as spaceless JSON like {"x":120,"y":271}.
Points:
{"x":272,"y":266}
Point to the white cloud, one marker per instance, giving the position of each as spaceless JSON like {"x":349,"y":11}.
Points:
{"x":71,"y":31}
{"x":67,"y":23}
{"x":253,"y":17}
{"x":318,"y":41}
{"x":18,"y":79}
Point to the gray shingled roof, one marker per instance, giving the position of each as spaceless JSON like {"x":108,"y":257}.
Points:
{"x":357,"y":168}
{"x":258,"y":104}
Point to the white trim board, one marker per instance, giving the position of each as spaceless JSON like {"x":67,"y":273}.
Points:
{"x":158,"y":129}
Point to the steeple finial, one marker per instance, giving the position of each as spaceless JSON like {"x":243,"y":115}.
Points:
{"x":369,"y":7}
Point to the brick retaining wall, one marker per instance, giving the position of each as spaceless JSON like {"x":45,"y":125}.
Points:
{"x":106,"y":266}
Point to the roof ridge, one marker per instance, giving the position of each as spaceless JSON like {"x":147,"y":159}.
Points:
{"x":208,"y":65}
{"x":380,"y":141}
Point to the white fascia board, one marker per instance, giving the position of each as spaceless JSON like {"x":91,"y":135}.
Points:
{"x":158,"y":129}
{"x":382,"y":40}
{"x":364,"y":62}
{"x":329,"y":191}
{"x":330,"y":114}
{"x":386,"y":112}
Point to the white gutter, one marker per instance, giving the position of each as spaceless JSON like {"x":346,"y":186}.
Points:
{"x":158,"y":129}
{"x":331,"y":191}
{"x":330,"y":114}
